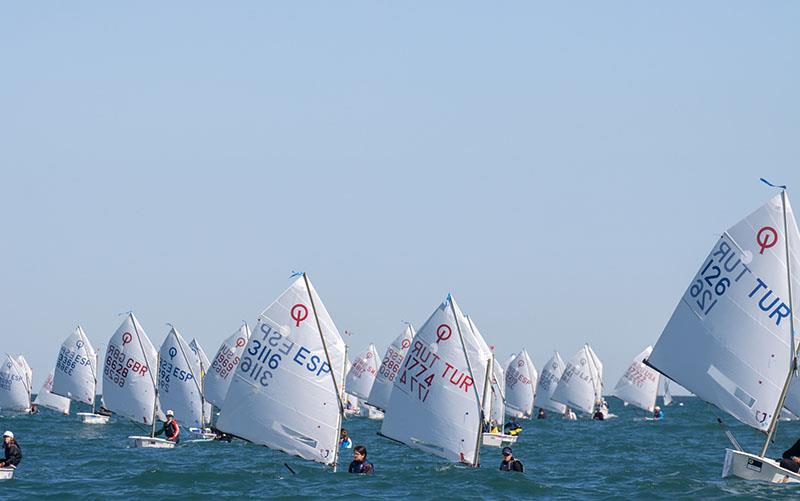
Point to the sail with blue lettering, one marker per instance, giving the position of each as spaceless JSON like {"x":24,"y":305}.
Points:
{"x":205,"y":365}
{"x":46,"y":397}
{"x":218,"y":377}
{"x":639,"y":384}
{"x":75,"y":375}
{"x":729,"y":340}
{"x":578,"y":385}
{"x":15,"y":384}
{"x":521,"y":379}
{"x":361,"y":375}
{"x":547,"y":384}
{"x":390,"y":365}
{"x":130,"y":372}
{"x":436,"y":402}
{"x":179,"y":380}
{"x":285,"y":392}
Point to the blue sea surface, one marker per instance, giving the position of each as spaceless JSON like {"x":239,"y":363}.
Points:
{"x":621,"y":457}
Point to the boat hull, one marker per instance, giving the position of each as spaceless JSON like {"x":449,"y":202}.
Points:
{"x":151,"y":443}
{"x":751,"y":467}
{"x":90,"y":418}
{"x":6,"y":473}
{"x":498,"y":439}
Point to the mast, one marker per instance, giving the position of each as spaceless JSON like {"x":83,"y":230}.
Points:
{"x":792,"y":350}
{"x":150,"y":370}
{"x":471,"y":375}
{"x":328,"y":359}
{"x":594,"y":373}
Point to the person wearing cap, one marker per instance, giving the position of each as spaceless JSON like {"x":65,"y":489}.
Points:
{"x":171,"y":430}
{"x":510,"y":463}
{"x":13,"y":453}
{"x":658,"y":413}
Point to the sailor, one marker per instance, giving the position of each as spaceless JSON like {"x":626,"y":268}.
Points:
{"x":512,"y":428}
{"x":657,"y":413}
{"x":569,"y":415}
{"x":510,"y":463}
{"x":541,"y":414}
{"x":791,"y":458}
{"x":220,"y":435}
{"x":171,"y":430}
{"x":344,"y":440}
{"x":598,"y":415}
{"x":34,"y":409}
{"x":360,"y":463}
{"x":494,"y":427}
{"x":13,"y":454}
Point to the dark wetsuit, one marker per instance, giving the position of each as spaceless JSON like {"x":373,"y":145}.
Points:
{"x":598,"y":416}
{"x":513,"y":465}
{"x":786,"y":459}
{"x":13,"y":454}
{"x":361,"y":467}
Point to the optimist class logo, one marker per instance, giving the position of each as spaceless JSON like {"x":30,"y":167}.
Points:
{"x":299,"y":313}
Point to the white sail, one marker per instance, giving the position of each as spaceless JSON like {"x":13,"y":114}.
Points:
{"x":577,"y":386}
{"x":285,"y":391}
{"x":667,"y":398}
{"x":435,"y":404}
{"x":547,"y":384}
{"x":75,"y":375}
{"x":361,"y":375}
{"x":130,"y":372}
{"x":639,"y":384}
{"x":392,"y":360}
{"x":729,"y":339}
{"x":205,"y":365}
{"x":498,"y":391}
{"x":521,"y":379}
{"x":218,"y":378}
{"x":480,"y":358}
{"x":15,"y":385}
{"x":46,"y":397}
{"x":179,"y":380}
{"x":597,"y":367}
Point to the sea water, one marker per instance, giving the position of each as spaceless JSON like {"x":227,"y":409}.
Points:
{"x":625,"y":456}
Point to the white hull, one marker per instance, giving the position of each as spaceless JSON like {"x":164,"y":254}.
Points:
{"x":498,"y":439}
{"x":6,"y":473}
{"x":370,"y":412}
{"x":198,"y":435}
{"x":752,"y":467}
{"x":89,"y":418}
{"x":151,"y":443}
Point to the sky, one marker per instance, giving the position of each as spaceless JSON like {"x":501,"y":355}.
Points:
{"x":562,"y":168}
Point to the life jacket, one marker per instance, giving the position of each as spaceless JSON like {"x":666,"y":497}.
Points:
{"x":175,"y":436}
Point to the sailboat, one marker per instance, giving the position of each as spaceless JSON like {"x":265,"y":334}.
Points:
{"x":286,"y":392}
{"x":218,"y":377}
{"x":731,"y":341}
{"x":360,"y":379}
{"x":129,"y":380}
{"x":521,"y":380}
{"x":580,"y":383}
{"x":179,"y":383}
{"x":46,"y":397}
{"x":208,"y":409}
{"x":15,"y":384}
{"x":547,"y":384}
{"x":390,"y":365}
{"x":436,"y":403}
{"x":75,"y":375}
{"x":638,"y":386}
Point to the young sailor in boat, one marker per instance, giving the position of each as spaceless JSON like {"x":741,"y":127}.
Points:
{"x":360,"y":463}
{"x":344,"y":440}
{"x":541,"y":414}
{"x":791,"y":458}
{"x":510,"y":463}
{"x":658,"y":413}
{"x":512,"y":428}
{"x":598,"y":415}
{"x":171,"y":430}
{"x":569,"y":415}
{"x":13,"y":454}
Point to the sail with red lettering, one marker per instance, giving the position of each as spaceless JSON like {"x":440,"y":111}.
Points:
{"x":390,"y":365}
{"x":547,"y":384}
{"x":179,"y":380}
{"x":639,"y":385}
{"x":130,"y":372}
{"x":15,"y":384}
{"x":218,"y":377}
{"x":75,"y":375}
{"x":436,"y":403}
{"x":285,"y":391}
{"x":46,"y":398}
{"x":361,"y":375}
{"x":521,"y":379}
{"x":578,"y":385}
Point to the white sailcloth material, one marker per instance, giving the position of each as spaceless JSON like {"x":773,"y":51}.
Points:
{"x":218,"y":378}
{"x":435,"y":404}
{"x":577,"y":387}
{"x":498,"y":389}
{"x":521,"y":379}
{"x":205,"y":364}
{"x":597,"y":366}
{"x":547,"y":384}
{"x":284,"y":390}
{"x":46,"y":397}
{"x":361,"y":375}
{"x":129,"y":373}
{"x":729,"y":341}
{"x":75,"y":375}
{"x":480,"y":357}
{"x":15,"y":384}
{"x":390,"y":365}
{"x":667,"y":398}
{"x":179,"y":380}
{"x":639,"y":385}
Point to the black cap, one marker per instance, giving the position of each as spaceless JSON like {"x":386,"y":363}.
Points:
{"x":506,"y":451}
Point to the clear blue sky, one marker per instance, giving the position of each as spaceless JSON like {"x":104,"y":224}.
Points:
{"x":562,"y":168}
